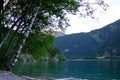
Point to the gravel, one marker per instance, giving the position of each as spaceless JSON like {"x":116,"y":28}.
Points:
{"x":5,"y":75}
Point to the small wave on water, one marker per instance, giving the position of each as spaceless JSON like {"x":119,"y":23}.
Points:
{"x":71,"y":78}
{"x":53,"y":78}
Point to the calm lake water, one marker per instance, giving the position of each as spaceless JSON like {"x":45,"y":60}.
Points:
{"x":71,"y":70}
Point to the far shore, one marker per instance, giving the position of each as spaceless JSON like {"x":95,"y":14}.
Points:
{"x":93,"y":60}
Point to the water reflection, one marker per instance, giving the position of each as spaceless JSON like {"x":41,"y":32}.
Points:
{"x":91,"y":70}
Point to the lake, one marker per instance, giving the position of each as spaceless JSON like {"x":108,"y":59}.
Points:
{"x":71,"y":70}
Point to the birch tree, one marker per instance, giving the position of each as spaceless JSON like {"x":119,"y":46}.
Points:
{"x":26,"y":16}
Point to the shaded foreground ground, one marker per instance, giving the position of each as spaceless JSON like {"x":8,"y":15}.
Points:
{"x":5,"y":75}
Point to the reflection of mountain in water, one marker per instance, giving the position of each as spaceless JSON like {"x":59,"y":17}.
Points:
{"x":104,"y":42}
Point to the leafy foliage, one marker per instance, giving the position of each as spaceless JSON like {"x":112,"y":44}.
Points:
{"x":7,"y":50}
{"x":40,"y":45}
{"x":27,"y":16}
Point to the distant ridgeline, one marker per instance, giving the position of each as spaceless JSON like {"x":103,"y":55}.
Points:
{"x":98,"y":44}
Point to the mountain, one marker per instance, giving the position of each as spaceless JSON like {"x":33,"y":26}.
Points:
{"x":100,"y":43}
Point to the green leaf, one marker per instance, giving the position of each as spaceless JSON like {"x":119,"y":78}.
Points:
{"x":2,"y":17}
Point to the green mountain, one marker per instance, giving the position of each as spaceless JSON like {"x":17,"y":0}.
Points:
{"x":100,"y":43}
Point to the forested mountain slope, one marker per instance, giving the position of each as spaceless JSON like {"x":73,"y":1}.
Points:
{"x":97,"y":43}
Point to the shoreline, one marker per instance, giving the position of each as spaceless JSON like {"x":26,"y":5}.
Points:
{"x":6,"y":75}
{"x":93,"y":60}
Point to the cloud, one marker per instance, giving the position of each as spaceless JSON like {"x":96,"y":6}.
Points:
{"x":87,"y":24}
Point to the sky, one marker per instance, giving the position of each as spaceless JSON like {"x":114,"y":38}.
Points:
{"x":79,"y":24}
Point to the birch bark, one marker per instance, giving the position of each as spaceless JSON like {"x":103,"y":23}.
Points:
{"x":21,"y":43}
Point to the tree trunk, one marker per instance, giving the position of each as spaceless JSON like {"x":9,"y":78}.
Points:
{"x":20,"y":44}
{"x":1,"y":8}
{"x":5,"y":3}
{"x":1,"y":5}
{"x":7,"y":35}
{"x":9,"y":46}
{"x":21,"y":17}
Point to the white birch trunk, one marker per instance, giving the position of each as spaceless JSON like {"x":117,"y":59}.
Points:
{"x":3,"y":41}
{"x":22,"y":42}
{"x":5,"y":3}
{"x":7,"y":35}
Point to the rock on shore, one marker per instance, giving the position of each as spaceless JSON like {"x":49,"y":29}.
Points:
{"x":5,"y":75}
